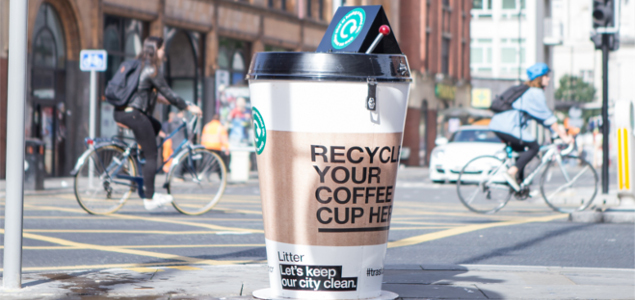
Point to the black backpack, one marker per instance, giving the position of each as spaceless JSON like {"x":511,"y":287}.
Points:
{"x":504,"y":101}
{"x":124,"y":83}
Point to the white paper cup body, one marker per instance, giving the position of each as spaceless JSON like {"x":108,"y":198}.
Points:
{"x":327,"y":167}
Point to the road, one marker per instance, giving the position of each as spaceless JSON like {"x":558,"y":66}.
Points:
{"x":429,"y":226}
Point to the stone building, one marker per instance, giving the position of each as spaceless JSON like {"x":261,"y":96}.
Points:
{"x":207,"y":41}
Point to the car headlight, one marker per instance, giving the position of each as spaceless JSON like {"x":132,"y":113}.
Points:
{"x":438,"y":154}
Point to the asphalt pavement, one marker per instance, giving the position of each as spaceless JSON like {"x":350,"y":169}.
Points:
{"x":437,"y":249}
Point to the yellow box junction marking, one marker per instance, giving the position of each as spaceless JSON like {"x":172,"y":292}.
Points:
{"x":158,"y":219}
{"x":117,"y":249}
{"x":465,"y":229}
{"x":144,"y":270}
{"x":185,"y":268}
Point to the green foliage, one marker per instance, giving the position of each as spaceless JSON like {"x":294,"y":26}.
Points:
{"x":573,"y":88}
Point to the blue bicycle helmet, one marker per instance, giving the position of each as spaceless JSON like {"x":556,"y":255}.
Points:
{"x":537,"y":70}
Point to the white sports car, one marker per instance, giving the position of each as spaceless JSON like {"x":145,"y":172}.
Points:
{"x":469,"y":142}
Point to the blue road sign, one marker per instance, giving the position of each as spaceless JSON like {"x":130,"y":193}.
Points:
{"x":93,"y":60}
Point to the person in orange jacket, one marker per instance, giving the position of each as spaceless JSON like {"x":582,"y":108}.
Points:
{"x":215,"y":138}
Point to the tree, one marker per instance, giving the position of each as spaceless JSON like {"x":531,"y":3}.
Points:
{"x":573,"y":88}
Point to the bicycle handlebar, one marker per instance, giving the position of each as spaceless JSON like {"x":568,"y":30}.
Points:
{"x":565,"y":151}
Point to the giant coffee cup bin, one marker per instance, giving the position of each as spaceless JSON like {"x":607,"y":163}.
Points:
{"x":328,"y":130}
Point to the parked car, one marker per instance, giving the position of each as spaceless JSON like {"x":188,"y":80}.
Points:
{"x":448,"y":157}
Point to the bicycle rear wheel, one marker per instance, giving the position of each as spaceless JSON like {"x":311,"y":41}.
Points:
{"x":97,"y":189}
{"x":481,"y":187}
{"x":197,"y":181}
{"x":570,"y":185}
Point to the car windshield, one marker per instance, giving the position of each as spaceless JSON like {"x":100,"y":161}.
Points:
{"x":471,"y":135}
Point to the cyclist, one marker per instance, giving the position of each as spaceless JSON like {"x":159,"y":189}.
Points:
{"x":137,"y":114}
{"x":512,"y":126}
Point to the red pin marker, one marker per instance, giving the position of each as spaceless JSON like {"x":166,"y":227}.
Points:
{"x":384,"y":30}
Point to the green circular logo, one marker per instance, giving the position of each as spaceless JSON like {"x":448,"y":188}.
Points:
{"x":260,"y":131}
{"x":348,"y":28}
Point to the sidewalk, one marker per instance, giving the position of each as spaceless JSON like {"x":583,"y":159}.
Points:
{"x":410,"y":282}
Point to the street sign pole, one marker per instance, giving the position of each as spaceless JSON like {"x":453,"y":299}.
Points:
{"x":93,"y":104}
{"x":91,"y":60}
{"x":605,"y":114}
{"x":16,"y":95}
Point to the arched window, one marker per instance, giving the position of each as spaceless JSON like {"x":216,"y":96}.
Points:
{"x":48,"y":85}
{"x":48,"y":54}
{"x":48,"y":43}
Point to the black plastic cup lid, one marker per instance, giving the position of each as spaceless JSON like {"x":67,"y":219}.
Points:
{"x":329,"y":67}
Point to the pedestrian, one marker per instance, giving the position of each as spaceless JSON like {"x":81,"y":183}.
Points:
{"x":214,"y":138}
{"x":137,"y":114}
{"x":239,"y":120}
{"x":512,"y":126}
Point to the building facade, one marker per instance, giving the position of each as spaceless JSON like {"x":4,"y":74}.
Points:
{"x":577,"y":55}
{"x":507,"y":37}
{"x":209,"y":45}
{"x":435,"y":36}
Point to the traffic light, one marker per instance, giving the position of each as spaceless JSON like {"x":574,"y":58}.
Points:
{"x":603,"y":13}
{"x":606,"y":22}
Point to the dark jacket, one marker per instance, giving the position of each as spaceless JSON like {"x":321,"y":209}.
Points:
{"x":149,"y":84}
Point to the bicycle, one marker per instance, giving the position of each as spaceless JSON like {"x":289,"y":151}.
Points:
{"x":109,"y":172}
{"x":483,"y":189}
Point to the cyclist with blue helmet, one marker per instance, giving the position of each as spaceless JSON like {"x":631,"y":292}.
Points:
{"x":511,"y":126}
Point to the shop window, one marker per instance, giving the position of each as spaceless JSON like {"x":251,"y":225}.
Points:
{"x":122,"y":39}
{"x":182,"y":68}
{"x":223,"y":58}
{"x":133,"y":45}
{"x":238,"y":68}
{"x":46,"y":112}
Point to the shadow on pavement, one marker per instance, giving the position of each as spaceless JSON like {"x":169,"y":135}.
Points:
{"x":437,"y":282}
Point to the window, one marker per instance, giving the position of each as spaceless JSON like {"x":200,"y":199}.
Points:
{"x":283,"y":5}
{"x":476,"y":55}
{"x":482,"y":4}
{"x":481,"y":55}
{"x":122,"y":40}
{"x":321,"y":9}
{"x":482,"y":9}
{"x":508,"y":55}
{"x":445,"y":55}
{"x":509,"y":4}
{"x":270,"y":3}
{"x":48,"y":47}
{"x":483,"y":136}
{"x":308,"y":8}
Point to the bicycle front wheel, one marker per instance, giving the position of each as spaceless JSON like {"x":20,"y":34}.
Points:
{"x":197,"y":181}
{"x":569,"y":185}
{"x":481,"y":186}
{"x":97,"y":188}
